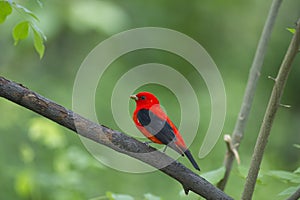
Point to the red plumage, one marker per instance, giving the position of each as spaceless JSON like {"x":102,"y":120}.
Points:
{"x":153,"y":122}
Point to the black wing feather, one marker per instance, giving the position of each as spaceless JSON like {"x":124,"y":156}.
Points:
{"x":158,"y":127}
{"x":162,"y":130}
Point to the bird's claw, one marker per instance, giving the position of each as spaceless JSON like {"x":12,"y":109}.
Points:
{"x":148,"y":142}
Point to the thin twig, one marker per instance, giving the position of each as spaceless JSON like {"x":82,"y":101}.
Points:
{"x":272,"y":108}
{"x":295,"y":196}
{"x":115,"y":140}
{"x":254,"y":73}
{"x":232,"y":148}
{"x":285,"y":105}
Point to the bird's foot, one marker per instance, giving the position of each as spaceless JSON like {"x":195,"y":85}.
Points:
{"x":165,"y":148}
{"x":148,"y":142}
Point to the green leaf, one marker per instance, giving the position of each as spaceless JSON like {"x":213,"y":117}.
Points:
{"x":297,"y":171}
{"x":20,"y":31}
{"x":284,"y":176}
{"x":26,"y":11}
{"x":5,"y":10}
{"x":292,"y":30}
{"x":38,"y":42}
{"x":288,"y":191}
{"x":214,"y":176}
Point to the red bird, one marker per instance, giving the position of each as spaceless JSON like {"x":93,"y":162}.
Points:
{"x":153,"y":122}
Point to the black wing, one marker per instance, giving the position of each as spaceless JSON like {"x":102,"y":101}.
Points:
{"x":158,"y":127}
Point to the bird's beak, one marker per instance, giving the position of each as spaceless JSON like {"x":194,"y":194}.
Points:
{"x":134,"y":97}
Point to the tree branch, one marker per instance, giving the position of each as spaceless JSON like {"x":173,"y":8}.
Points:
{"x":272,"y":108}
{"x":116,"y":140}
{"x":254,"y":74}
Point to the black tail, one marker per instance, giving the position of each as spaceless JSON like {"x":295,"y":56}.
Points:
{"x":190,"y":157}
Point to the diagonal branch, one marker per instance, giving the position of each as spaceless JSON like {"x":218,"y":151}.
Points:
{"x":116,"y":140}
{"x":254,"y":74}
{"x":272,"y":108}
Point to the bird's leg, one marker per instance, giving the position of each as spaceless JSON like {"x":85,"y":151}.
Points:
{"x":165,"y":148}
{"x":148,"y":142}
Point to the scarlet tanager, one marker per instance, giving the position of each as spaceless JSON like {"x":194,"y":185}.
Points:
{"x":153,"y":122}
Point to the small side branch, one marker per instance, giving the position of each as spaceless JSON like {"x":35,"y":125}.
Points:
{"x":113,"y":139}
{"x":232,"y":148}
{"x":272,"y":108}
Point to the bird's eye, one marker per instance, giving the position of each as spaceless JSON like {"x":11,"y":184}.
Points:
{"x":143,"y":97}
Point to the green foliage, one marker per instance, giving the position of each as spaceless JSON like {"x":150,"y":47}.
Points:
{"x":21,"y":29}
{"x":25,"y":183}
{"x":24,"y":10}
{"x":42,"y":130}
{"x":27,"y":153}
{"x":85,"y":15}
{"x":41,"y":160}
{"x":214,"y":176}
{"x":68,"y":164}
{"x":292,"y":177}
{"x":5,"y":10}
{"x":287,"y":177}
{"x":38,"y":42}
{"x":291,"y":30}
{"x":289,"y":191}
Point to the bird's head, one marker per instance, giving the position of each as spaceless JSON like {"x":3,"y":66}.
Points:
{"x":145,"y":99}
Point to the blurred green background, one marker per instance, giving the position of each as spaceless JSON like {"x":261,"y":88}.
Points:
{"x":41,"y":160}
